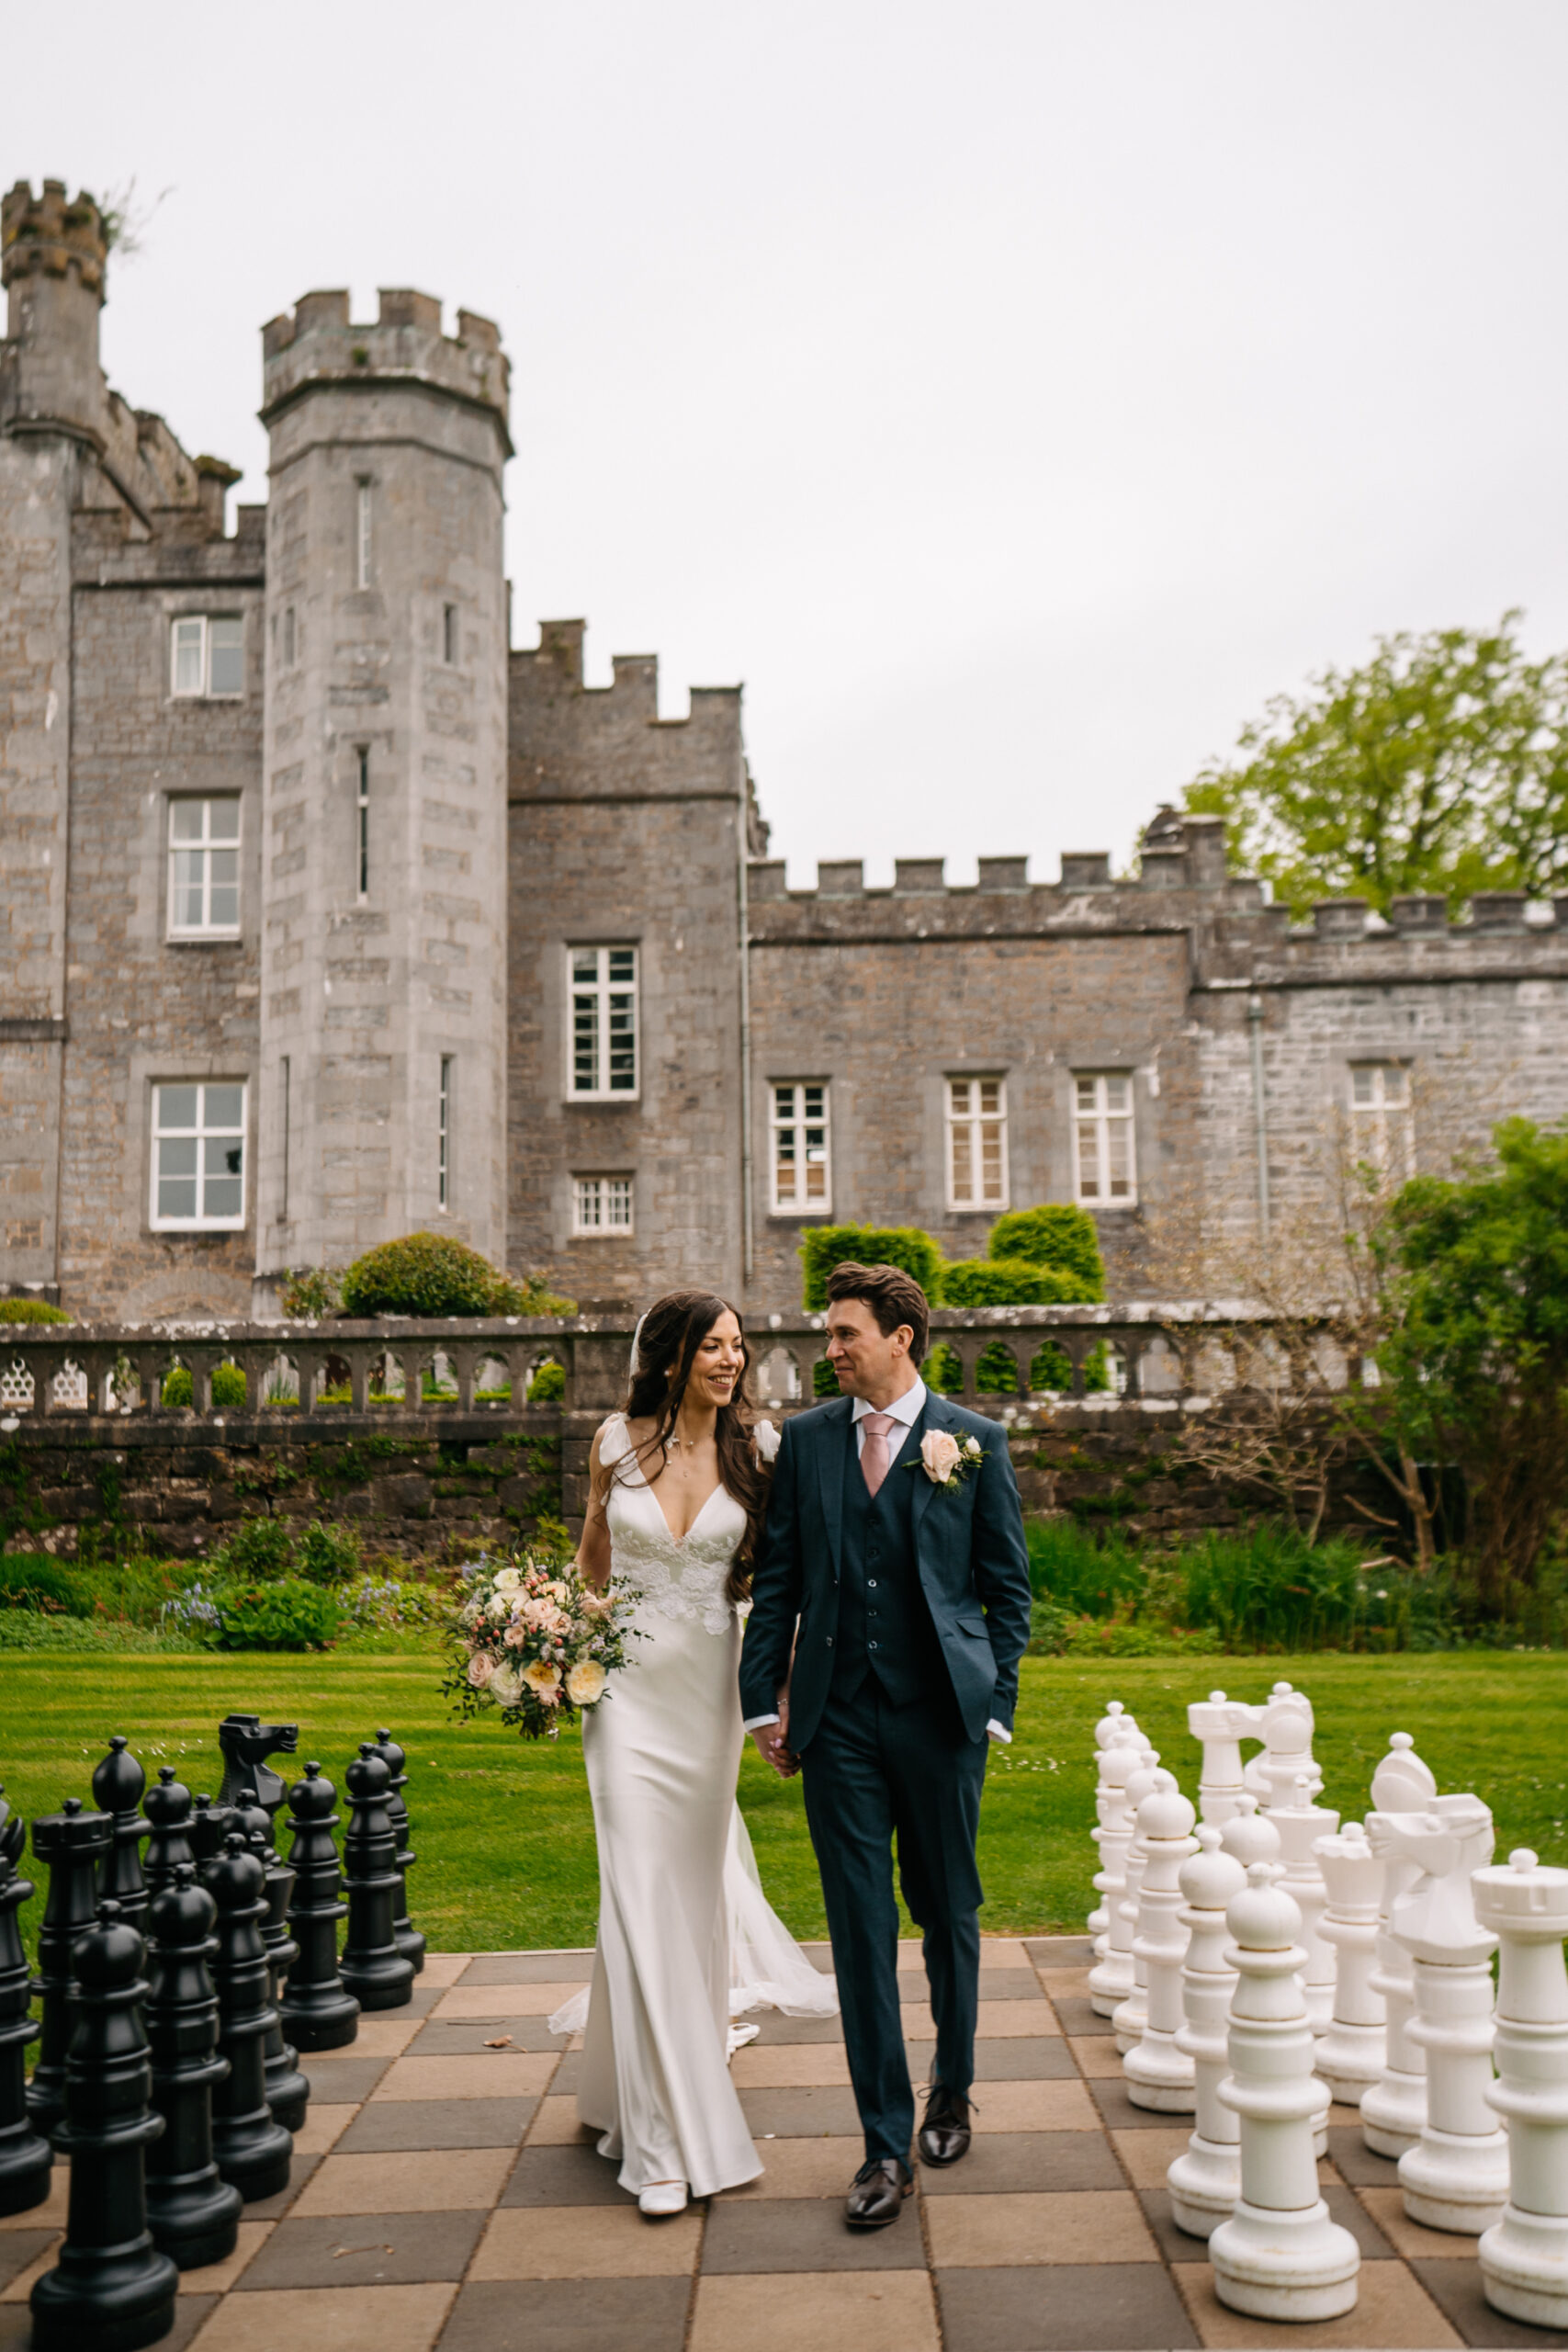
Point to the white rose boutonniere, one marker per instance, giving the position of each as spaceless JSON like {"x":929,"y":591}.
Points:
{"x":765,"y":1437}
{"x":947,"y":1460}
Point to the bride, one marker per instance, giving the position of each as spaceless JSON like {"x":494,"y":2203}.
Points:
{"x":677,"y":1492}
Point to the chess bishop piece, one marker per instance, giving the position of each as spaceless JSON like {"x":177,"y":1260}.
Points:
{"x":252,"y":2147}
{"x":117,"y":1787}
{"x":1158,"y":2071}
{"x":372,"y":1967}
{"x":1300,"y":1824}
{"x":24,"y":2159}
{"x":317,"y":2014}
{"x":71,"y":1843}
{"x":1279,"y":2255}
{"x":193,"y":2213}
{"x":1524,"y":2257}
{"x":1351,"y":2055}
{"x":1204,"y":2180}
{"x":405,"y":1935}
{"x":1112,"y":1834}
{"x":1220,"y":1724}
{"x":1393,"y":2109}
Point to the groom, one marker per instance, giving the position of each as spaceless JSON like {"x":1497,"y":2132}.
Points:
{"x":903,"y":1598}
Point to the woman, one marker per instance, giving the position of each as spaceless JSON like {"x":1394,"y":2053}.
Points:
{"x":677,"y":1493}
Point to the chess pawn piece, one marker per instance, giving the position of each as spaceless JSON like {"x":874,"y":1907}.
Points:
{"x":1204,"y":2180}
{"x":1351,"y":2054}
{"x":1249,"y":1836}
{"x":1220,"y":1724}
{"x":372,"y":1967}
{"x":1116,"y":1723}
{"x":111,"y":2288}
{"x":1301,"y":1825}
{"x":407,"y":1938}
{"x":193,"y":2213}
{"x":252,"y":2147}
{"x":288,"y":2090}
{"x":1278,"y":2257}
{"x":1159,"y":2071}
{"x":1112,"y":1834}
{"x":71,"y":1843}
{"x":1285,"y":1726}
{"x":1111,"y":1980}
{"x":1393,"y":2109}
{"x":24,"y":2159}
{"x":117,"y":1787}
{"x":168,"y":1811}
{"x":1456,"y":2176}
{"x":317,"y":2014}
{"x":1524,"y":2257}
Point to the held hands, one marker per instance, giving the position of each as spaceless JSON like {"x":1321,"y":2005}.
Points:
{"x":773,"y":1740}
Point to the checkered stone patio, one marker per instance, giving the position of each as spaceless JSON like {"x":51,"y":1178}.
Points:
{"x":443,"y":2194}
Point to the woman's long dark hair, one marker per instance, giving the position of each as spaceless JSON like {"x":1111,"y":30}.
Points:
{"x":672,"y":1331}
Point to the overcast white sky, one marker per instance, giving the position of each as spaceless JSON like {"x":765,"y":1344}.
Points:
{"x":1013,"y":397}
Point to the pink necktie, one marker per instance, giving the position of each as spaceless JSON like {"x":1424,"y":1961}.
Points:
{"x":874,"y":1460}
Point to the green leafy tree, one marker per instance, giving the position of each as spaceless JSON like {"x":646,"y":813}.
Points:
{"x":823,"y":1247}
{"x":1441,"y":765}
{"x":1057,"y":1234}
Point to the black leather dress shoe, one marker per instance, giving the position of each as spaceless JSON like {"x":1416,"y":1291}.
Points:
{"x":877,"y":2193}
{"x":944,"y":2134}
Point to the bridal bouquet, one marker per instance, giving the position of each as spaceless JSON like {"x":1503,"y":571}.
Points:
{"x":531,"y":1639}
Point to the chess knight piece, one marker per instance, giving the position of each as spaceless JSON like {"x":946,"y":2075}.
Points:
{"x":246,"y":1743}
{"x":1524,"y":2257}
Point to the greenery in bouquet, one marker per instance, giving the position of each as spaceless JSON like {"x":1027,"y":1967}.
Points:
{"x":530,"y":1637}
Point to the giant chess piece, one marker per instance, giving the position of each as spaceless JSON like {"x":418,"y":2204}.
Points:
{"x":168,"y":1811}
{"x":117,"y":1787}
{"x":72,"y":1844}
{"x":1456,"y":2176}
{"x":1116,"y":1723}
{"x":1248,"y":1837}
{"x":1524,"y":2257}
{"x":1351,"y":2055}
{"x":1113,"y":1833}
{"x":210,"y":1824}
{"x":246,"y":1743}
{"x":193,"y":2213}
{"x":372,"y":1967}
{"x":24,"y":2159}
{"x":252,"y":2147}
{"x":111,"y":2288}
{"x":1285,"y":1727}
{"x":1220,"y":1724}
{"x":1113,"y":1980}
{"x":317,"y":2014}
{"x":1158,"y":2071}
{"x":1394,"y":2107}
{"x":287,"y":2091}
{"x":407,"y":1938}
{"x":1204,"y":2180}
{"x":1301,"y":1825}
{"x":1278,"y":2257}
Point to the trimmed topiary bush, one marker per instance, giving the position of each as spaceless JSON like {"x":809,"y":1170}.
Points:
{"x":548,"y":1385}
{"x":1008,"y":1282}
{"x":32,"y":1310}
{"x":1058,"y":1234}
{"x":823,"y":1247}
{"x":432,"y":1275}
{"x":228,"y":1387}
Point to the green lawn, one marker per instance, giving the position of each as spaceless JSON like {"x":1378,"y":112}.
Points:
{"x":504,"y":1830}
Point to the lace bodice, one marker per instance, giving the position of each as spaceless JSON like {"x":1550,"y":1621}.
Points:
{"x":685,"y":1579}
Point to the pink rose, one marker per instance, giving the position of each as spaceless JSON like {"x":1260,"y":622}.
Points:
{"x":940,"y":1453}
{"x":515,"y":1635}
{"x":480,"y":1668}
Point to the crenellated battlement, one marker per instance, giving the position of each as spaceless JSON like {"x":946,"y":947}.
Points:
{"x":52,"y":236}
{"x":318,"y":344}
{"x":571,"y":739}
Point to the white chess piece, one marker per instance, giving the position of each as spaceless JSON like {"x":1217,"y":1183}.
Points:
{"x":1394,"y":2107}
{"x":1111,"y":1979}
{"x":1351,"y":2054}
{"x":1113,"y":1833}
{"x":1131,"y":2013}
{"x":1286,"y":1729}
{"x":1456,"y":2176}
{"x":1301,"y":1824}
{"x":1278,"y":2257}
{"x":1248,"y":1837}
{"x":1116,"y":1723}
{"x":1220,"y":1724}
{"x":1524,"y":2257}
{"x":1158,"y":2071}
{"x":1204,"y":2180}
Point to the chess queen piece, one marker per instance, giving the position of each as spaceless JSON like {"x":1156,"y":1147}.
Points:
{"x":1121,"y":1963}
{"x":168,"y":1811}
{"x":1351,"y":2054}
{"x":318,"y":2013}
{"x":71,"y":1843}
{"x":111,"y":2290}
{"x":119,"y":1784}
{"x":193,"y":2213}
{"x":1300,"y":1824}
{"x":1393,"y":2109}
{"x":253,"y":2149}
{"x":1524,"y":2257}
{"x":1285,"y":1727}
{"x":1113,"y":1833}
{"x":1220,"y":1724}
{"x":24,"y":2159}
{"x":1204,"y":2180}
{"x":372,"y":1967}
{"x":1279,"y":2255}
{"x":1158,"y":2071}
{"x":405,"y":1935}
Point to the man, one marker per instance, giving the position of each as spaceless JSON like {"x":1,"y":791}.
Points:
{"x":904,"y":1597}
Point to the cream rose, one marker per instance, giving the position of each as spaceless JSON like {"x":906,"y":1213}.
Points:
{"x":585,"y":1683}
{"x":542,"y":1681}
{"x":500,"y":1607}
{"x":507,"y":1580}
{"x":480,"y":1668}
{"x":941,"y":1453}
{"x":506,"y":1683}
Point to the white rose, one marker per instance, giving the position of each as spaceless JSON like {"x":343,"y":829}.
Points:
{"x":972,"y":1448}
{"x":941,"y":1453}
{"x":507,"y":1580}
{"x":586,"y":1682}
{"x":500,"y":1607}
{"x":506,"y":1683}
{"x":542,"y":1681}
{"x":765,"y":1437}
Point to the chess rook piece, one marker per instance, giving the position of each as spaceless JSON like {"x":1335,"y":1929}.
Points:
{"x":372,"y":1967}
{"x":1111,"y":1979}
{"x":209,"y":1825}
{"x":287,"y":2091}
{"x":1278,"y":2257}
{"x":168,"y":1845}
{"x":317,"y":2014}
{"x":24,"y":2159}
{"x":1285,"y":1727}
{"x":111,"y":2288}
{"x":117,"y":1787}
{"x":1300,"y":1824}
{"x":1113,"y":1833}
{"x":1456,"y":2176}
{"x":1393,"y":2109}
{"x":1351,"y":2055}
{"x":71,"y":1843}
{"x":252,"y":2147}
{"x":193,"y":2213}
{"x":1524,"y":2257}
{"x":246,"y":1743}
{"x":407,"y":1938}
{"x":1204,"y":2180}
{"x":1220,"y":1724}
{"x":1159,"y":2071}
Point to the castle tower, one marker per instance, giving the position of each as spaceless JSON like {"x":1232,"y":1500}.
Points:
{"x":384,"y":957}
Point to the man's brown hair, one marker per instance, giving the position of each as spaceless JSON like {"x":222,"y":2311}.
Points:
{"x":893,"y":1296}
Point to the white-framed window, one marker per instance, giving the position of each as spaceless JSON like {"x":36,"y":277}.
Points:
{"x":976,"y":1143}
{"x":362,"y":541}
{"x":204,"y":868}
{"x":604,"y":1023}
{"x":1383,"y":1129}
{"x":601,"y":1206}
{"x":207,"y":655}
{"x":802,"y":1150}
{"x":444,"y":1136}
{"x":199,"y":1155}
{"x":1102,"y":1138}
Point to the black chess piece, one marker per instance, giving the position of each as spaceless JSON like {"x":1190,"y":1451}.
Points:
{"x":288,"y":2090}
{"x":168,"y":1810}
{"x":246,"y":1743}
{"x":252,"y":2147}
{"x":71,"y":1843}
{"x":111,"y":2288}
{"x":119,"y":1785}
{"x":210,"y":1824}
{"x":193,"y":2213}
{"x":317,"y":2014}
{"x":407,"y":1938}
{"x":25,"y":2159}
{"x":372,"y":1967}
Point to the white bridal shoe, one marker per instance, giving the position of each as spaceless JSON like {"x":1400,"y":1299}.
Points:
{"x":661,"y":2197}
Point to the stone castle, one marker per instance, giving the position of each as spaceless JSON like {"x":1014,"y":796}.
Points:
{"x":327,"y":914}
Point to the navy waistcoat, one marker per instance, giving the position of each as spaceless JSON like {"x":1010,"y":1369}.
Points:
{"x":885,"y":1627}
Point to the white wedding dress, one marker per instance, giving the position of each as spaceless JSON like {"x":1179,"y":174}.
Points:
{"x":686,"y":1936}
